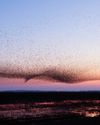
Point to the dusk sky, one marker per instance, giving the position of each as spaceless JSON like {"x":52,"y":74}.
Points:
{"x":50,"y":45}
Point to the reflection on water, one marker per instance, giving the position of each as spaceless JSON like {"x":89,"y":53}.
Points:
{"x":84,"y":108}
{"x":92,"y":114}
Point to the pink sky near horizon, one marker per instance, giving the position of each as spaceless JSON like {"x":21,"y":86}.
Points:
{"x":45,"y":85}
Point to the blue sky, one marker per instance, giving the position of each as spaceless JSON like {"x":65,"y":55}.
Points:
{"x":50,"y":33}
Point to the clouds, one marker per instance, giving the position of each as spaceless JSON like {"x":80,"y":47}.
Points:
{"x":66,"y":76}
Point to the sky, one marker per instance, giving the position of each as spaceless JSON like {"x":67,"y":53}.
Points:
{"x":50,"y":45}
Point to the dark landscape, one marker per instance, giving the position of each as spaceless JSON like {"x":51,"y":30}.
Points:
{"x":44,"y":108}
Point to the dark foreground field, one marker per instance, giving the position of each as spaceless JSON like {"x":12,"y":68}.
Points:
{"x":30,"y":96}
{"x":49,"y":108}
{"x":60,"y":121}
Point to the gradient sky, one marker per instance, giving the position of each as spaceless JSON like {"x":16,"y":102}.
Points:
{"x":39,"y":35}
